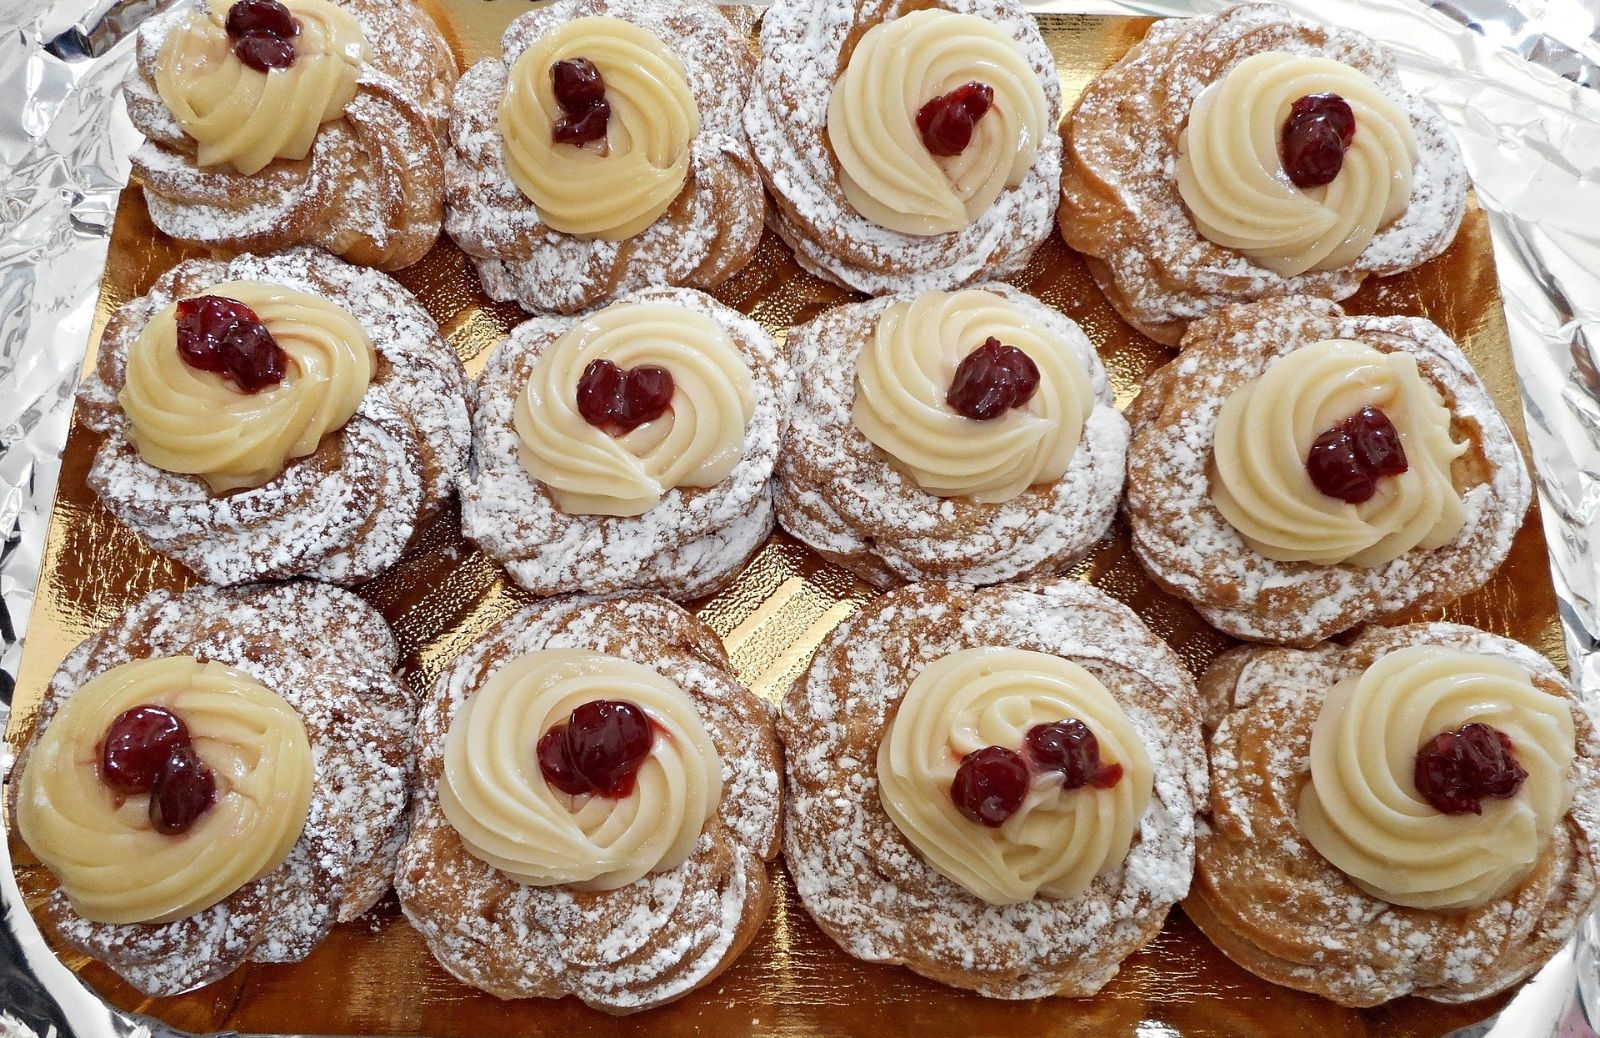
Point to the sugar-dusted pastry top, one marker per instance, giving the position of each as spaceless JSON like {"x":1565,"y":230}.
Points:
{"x":1363,"y":812}
{"x":1266,"y":429}
{"x":507,"y":814}
{"x":183,"y":419}
{"x":886,"y":171}
{"x":1059,"y":840}
{"x":113,"y":865}
{"x":1231,"y":175}
{"x":247,"y":117}
{"x":905,"y":372}
{"x":614,"y":187}
{"x":695,"y":443}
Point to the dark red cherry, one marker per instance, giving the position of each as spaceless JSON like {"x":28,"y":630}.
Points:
{"x":620,"y":401}
{"x":946,"y":122}
{"x":556,"y":766}
{"x":1456,"y":770}
{"x":264,"y":52}
{"x":267,"y":17}
{"x":183,"y":791}
{"x":1347,"y":461}
{"x":991,"y":379}
{"x":223,"y":335}
{"x":1316,"y":135}
{"x":1072,"y":749}
{"x":582,"y":127}
{"x":577,"y":84}
{"x":607,"y":741}
{"x":136,"y":747}
{"x":990,"y":785}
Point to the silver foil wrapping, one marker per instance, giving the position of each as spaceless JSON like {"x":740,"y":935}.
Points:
{"x":1532,"y":142}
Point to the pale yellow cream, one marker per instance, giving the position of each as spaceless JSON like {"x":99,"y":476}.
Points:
{"x":906,"y":370}
{"x":1361,"y":809}
{"x":247,"y":118}
{"x":183,"y":419}
{"x":696,"y":443}
{"x":1059,"y":841}
{"x":112,"y":864}
{"x":887,"y":173}
{"x":1265,"y":431}
{"x":494,"y":795}
{"x":615,"y":187}
{"x":1232,"y":178}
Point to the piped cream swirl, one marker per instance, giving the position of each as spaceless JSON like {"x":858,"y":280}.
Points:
{"x":615,"y":187}
{"x":183,"y":419}
{"x":885,"y":170}
{"x":906,"y":370}
{"x":1231,"y":175}
{"x":696,"y":443}
{"x":1361,"y":809}
{"x":112,"y":864}
{"x":493,"y":794}
{"x":1059,"y":841}
{"x":247,"y":118}
{"x":1265,"y":431}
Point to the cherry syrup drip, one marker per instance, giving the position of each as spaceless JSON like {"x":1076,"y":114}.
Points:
{"x":1318,"y":132}
{"x":991,"y":783}
{"x":224,"y":336}
{"x":263,"y":33}
{"x":1347,"y":461}
{"x":147,"y":749}
{"x":1455,"y":771}
{"x":946,"y":123}
{"x":620,"y":401}
{"x":581,"y":92}
{"x":599,"y":750}
{"x":992,"y":379}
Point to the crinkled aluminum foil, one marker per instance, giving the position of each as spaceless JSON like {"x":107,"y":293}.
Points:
{"x":1532,"y":143}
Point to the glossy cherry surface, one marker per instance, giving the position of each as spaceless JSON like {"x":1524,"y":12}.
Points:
{"x":946,"y":122}
{"x":991,"y":379}
{"x":1319,"y":130}
{"x":620,"y":401}
{"x":1072,"y":749}
{"x":263,"y":34}
{"x":599,"y":750}
{"x":1455,"y":771}
{"x":136,"y":747}
{"x":224,"y":336}
{"x":580,"y":90}
{"x":183,"y":791}
{"x":990,"y":785}
{"x":1347,"y":461}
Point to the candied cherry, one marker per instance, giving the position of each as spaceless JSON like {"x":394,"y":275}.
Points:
{"x":621,"y":401}
{"x":947,"y":121}
{"x":262,"y":33}
{"x":580,"y":90}
{"x":1072,"y":749}
{"x":599,"y":750}
{"x":224,"y":336}
{"x":991,"y":379}
{"x":183,"y":791}
{"x":1455,"y":771}
{"x":1347,"y":461}
{"x":136,"y":747}
{"x":1319,"y":130}
{"x":990,"y":785}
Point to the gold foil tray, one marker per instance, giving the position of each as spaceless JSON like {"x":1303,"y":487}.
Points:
{"x":376,"y":977}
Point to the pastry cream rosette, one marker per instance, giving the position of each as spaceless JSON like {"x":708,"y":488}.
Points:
{"x":183,"y":419}
{"x":247,"y":118}
{"x":696,"y":443}
{"x":885,"y":169}
{"x":1060,"y":840}
{"x":904,"y":374}
{"x":612,"y":188}
{"x":1266,"y":428}
{"x":507,"y":815}
{"x":112,"y":864}
{"x":1232,"y":179}
{"x":1361,"y":809}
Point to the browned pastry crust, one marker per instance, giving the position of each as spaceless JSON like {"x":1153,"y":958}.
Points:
{"x":1120,"y":204}
{"x":1191,"y":550}
{"x":870,"y":890}
{"x":1282,"y":911}
{"x":332,"y":658}
{"x":344,"y":513}
{"x":707,"y":234}
{"x":640,"y":945}
{"x":372,"y":189}
{"x":841,"y":494}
